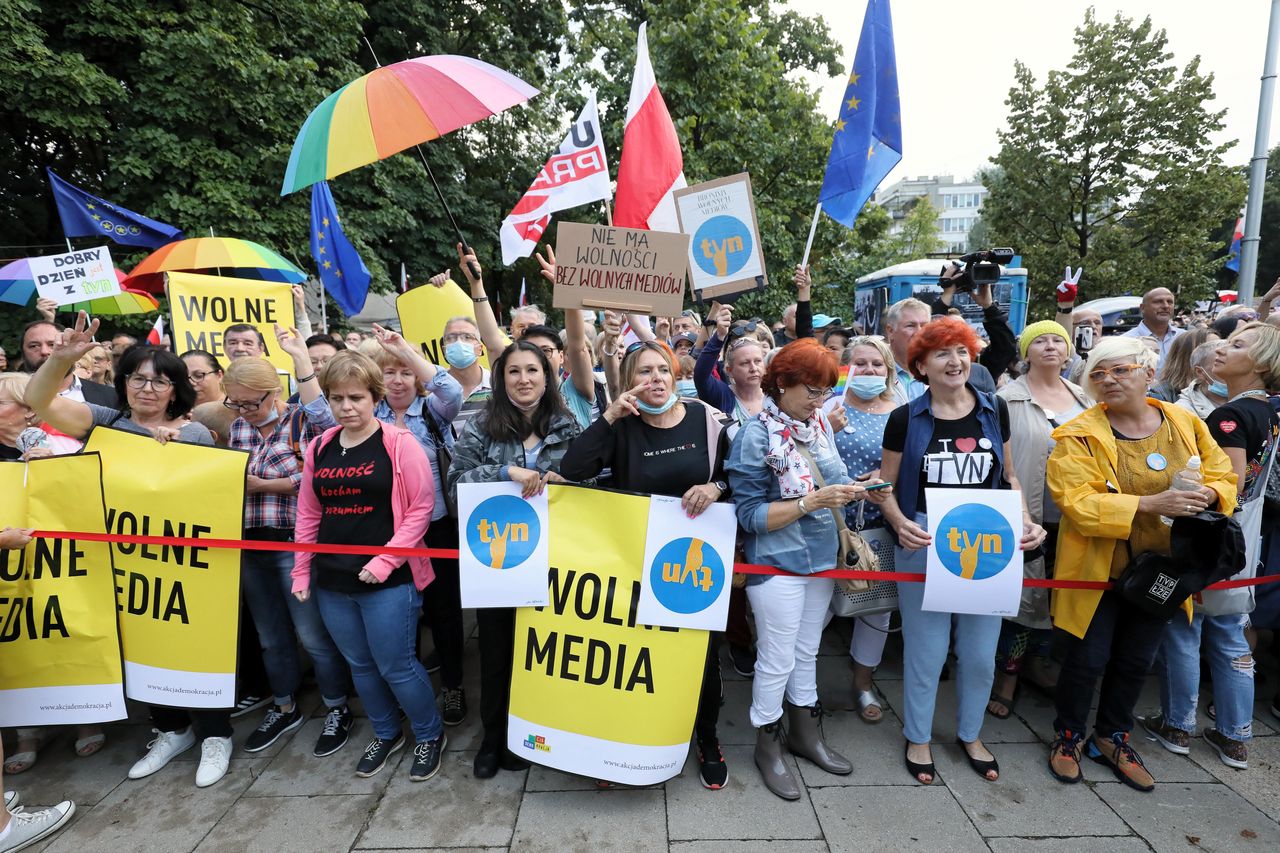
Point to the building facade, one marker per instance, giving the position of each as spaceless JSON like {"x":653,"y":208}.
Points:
{"x":957,"y":202}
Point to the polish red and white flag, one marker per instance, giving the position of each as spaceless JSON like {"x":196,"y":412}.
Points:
{"x":576,"y":174}
{"x":652,"y":166}
{"x":155,"y":337}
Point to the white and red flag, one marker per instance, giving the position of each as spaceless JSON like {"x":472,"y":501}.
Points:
{"x":652,"y":166}
{"x":576,"y":174}
{"x":155,"y":337}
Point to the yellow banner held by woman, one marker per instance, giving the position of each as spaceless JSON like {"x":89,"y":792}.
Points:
{"x":59,"y":647}
{"x":179,"y":606}
{"x":203,"y":306}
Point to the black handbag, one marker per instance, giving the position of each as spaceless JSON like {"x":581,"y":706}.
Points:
{"x":444,"y":458}
{"x":1211,"y":546}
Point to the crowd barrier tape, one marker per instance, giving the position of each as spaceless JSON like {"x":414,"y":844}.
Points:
{"x":452,"y":554}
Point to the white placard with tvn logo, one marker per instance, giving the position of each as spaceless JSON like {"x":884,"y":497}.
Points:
{"x":75,"y":276}
{"x":688,"y":566}
{"x":975,"y":560}
{"x":502,"y":546}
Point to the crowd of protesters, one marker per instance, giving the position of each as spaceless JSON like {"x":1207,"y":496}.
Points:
{"x":1090,"y":429}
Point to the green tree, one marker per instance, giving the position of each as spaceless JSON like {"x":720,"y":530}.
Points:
{"x":1108,"y":165}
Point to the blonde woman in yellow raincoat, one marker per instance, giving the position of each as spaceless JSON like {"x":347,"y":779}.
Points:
{"x":1111,"y":472}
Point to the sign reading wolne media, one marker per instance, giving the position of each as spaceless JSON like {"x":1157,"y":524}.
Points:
{"x":203,"y":306}
{"x":179,"y":605}
{"x":628,"y":269}
{"x":593,"y":691}
{"x":725,"y":255}
{"x":75,"y":276}
{"x":59,"y":647}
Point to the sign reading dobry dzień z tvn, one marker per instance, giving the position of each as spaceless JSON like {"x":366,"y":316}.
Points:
{"x":628,"y":269}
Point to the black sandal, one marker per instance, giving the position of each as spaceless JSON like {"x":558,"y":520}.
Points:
{"x":1005,"y":702}
{"x":917,"y":770}
{"x":982,"y":768}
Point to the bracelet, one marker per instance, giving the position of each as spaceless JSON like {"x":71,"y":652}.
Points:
{"x":479,"y":299}
{"x":803,"y":509}
{"x":1066,"y":310}
{"x":607,"y":353}
{"x":302,"y":379}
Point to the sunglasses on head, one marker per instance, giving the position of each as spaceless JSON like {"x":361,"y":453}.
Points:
{"x":639,"y":345}
{"x":747,"y":328}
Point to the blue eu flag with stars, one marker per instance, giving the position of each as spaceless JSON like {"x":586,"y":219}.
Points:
{"x":344,"y":275}
{"x":85,"y":215}
{"x":868,"y":135}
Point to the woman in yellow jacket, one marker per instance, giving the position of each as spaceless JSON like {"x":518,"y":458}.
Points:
{"x":1111,"y":472}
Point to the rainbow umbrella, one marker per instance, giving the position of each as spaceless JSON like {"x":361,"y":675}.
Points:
{"x":396,"y":107}
{"x":125,"y":302}
{"x":238,"y":258}
{"x":18,"y":286}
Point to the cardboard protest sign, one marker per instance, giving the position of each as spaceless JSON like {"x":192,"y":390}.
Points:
{"x":179,"y":606}
{"x":75,"y":276}
{"x":59,"y":647}
{"x":203,"y":306}
{"x":502,"y":546}
{"x":423,"y":313}
{"x":628,"y":269}
{"x":974,"y":564}
{"x":725,"y":253}
{"x":688,"y":566}
{"x":594,"y":692}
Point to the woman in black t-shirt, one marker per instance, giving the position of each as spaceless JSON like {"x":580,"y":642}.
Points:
{"x":659,"y":444}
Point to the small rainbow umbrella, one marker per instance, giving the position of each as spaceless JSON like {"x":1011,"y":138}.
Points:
{"x":396,"y":107}
{"x":125,"y":302}
{"x":18,"y":285}
{"x":239,"y":258}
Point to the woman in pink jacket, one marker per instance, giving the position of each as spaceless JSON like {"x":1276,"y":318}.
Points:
{"x":369,"y":483}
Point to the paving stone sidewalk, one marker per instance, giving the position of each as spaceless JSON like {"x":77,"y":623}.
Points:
{"x":284,"y":800}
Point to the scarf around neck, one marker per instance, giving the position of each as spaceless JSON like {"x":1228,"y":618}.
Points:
{"x":795,"y":479}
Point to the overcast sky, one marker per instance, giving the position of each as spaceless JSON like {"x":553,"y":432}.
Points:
{"x":955,"y":58}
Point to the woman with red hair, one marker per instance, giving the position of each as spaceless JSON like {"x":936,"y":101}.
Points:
{"x":951,"y":437}
{"x":788,"y":482}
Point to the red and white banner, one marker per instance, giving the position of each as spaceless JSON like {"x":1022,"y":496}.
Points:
{"x":576,"y":174}
{"x":652,"y":166}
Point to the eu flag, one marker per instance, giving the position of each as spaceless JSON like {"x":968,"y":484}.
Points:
{"x":85,"y":215}
{"x":342,"y":272}
{"x":868,"y":134}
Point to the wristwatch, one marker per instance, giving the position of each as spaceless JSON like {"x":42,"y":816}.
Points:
{"x":721,"y":485}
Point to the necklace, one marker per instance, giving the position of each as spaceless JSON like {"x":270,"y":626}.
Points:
{"x":1252,"y":392}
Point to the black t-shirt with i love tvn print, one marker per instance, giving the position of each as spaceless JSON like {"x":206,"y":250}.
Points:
{"x":353,"y":485}
{"x":958,"y":455}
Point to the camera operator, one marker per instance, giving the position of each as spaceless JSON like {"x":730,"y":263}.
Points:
{"x":1001,"y":349}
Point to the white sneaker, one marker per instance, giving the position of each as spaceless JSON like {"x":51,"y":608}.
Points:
{"x":11,"y":799}
{"x":215,"y":757}
{"x":162,"y":750}
{"x":26,"y":828}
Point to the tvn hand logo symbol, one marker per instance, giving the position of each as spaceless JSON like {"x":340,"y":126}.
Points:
{"x":975,"y":542}
{"x":722,"y":245}
{"x":687,"y":575}
{"x":536,"y":742}
{"x":503,"y":532}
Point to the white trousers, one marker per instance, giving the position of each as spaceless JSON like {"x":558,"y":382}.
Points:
{"x":790,"y":611}
{"x":869,"y":636}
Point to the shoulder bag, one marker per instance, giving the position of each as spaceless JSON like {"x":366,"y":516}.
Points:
{"x":879,"y":596}
{"x":854,"y":552}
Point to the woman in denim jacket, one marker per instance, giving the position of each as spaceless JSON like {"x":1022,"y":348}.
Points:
{"x":521,"y":436}
{"x":790,"y":523}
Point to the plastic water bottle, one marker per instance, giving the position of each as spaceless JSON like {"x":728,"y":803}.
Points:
{"x":1188,"y":479}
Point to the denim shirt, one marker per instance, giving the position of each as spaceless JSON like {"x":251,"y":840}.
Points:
{"x":442,"y":404}
{"x":803,"y":547}
{"x":920,"y":433}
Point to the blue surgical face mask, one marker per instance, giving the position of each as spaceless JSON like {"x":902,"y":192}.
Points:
{"x":868,"y":387}
{"x":1218,"y":388}
{"x":460,"y":355}
{"x":271,"y":418}
{"x":686,"y":388}
{"x":657,"y":410}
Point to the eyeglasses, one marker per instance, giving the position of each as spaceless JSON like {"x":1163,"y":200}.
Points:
{"x":1119,"y":373}
{"x":465,"y":337}
{"x":137,"y":382}
{"x":816,"y":393}
{"x":246,"y":407}
{"x":200,"y":375}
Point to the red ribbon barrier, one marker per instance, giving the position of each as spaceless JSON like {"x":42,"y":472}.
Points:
{"x":452,"y":553}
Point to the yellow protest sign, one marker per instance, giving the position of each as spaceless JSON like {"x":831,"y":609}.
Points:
{"x":424,"y":311}
{"x":203,"y":306}
{"x":59,"y":647}
{"x":179,"y":606}
{"x":592,"y":691}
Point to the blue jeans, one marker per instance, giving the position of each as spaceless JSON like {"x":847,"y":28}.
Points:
{"x":375,"y":631}
{"x":266,"y":584}
{"x":1179,"y":668}
{"x":926,"y":636}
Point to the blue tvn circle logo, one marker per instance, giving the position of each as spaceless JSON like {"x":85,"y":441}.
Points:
{"x":975,"y":542}
{"x":722,"y":245}
{"x":503,"y":531}
{"x":687,"y":575}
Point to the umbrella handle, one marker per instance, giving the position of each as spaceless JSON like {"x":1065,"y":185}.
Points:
{"x":466,"y":247}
